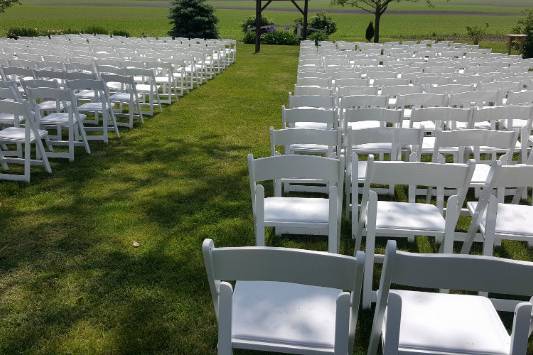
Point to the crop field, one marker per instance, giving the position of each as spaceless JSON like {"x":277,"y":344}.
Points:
{"x":405,"y":20}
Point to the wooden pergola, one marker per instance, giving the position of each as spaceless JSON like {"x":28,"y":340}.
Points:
{"x":259,"y":8}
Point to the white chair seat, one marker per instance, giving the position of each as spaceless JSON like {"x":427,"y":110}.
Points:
{"x":58,"y":118}
{"x":120,"y":97}
{"x":428,"y":144}
{"x":296,"y":210}
{"x":409,"y":216}
{"x":91,"y":107}
{"x":373,"y":148}
{"x":438,"y":323}
{"x":284,"y":313}
{"x":18,"y":135}
{"x":7,"y":118}
{"x":428,"y":125}
{"x":114,"y":86}
{"x":515,"y":123}
{"x":309,"y":148}
{"x":85,"y":94}
{"x":162,"y":79}
{"x":481,"y":173}
{"x":145,"y":88}
{"x":364,"y":124}
{"x":511,"y":219}
{"x":49,"y":106}
{"x":477,"y":125}
{"x":311,"y":125}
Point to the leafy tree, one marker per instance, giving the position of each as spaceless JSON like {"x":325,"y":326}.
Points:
{"x":375,"y":7}
{"x":369,"y":34}
{"x":4,"y":4}
{"x":193,"y":18}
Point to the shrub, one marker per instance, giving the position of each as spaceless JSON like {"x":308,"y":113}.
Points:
{"x":279,"y":37}
{"x":318,"y":36}
{"x":319,"y":23}
{"x":524,"y":24}
{"x":250,"y":23}
{"x":16,"y":32}
{"x":323,"y":23}
{"x":120,"y":33}
{"x":193,"y":19}
{"x":527,"y":50}
{"x":476,"y":33}
{"x":249,"y":37}
{"x":95,"y":30}
{"x":369,"y":34}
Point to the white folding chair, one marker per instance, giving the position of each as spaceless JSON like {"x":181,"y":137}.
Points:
{"x":98,"y":105}
{"x":22,"y":137}
{"x":126,"y":95}
{"x":284,"y":300}
{"x":297,"y":215}
{"x":478,"y":142}
{"x":64,"y":115}
{"x":407,"y":219}
{"x":381,"y":140}
{"x":426,"y":322}
{"x":495,"y":219}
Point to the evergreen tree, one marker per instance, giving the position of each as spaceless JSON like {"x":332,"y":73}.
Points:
{"x":369,"y":32}
{"x":193,"y":19}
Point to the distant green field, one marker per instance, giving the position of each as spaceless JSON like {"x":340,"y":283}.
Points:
{"x":149,"y":17}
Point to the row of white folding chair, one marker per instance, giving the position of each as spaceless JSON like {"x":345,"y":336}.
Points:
{"x":288,"y":300}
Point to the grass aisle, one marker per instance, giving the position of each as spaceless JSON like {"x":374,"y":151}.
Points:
{"x":70,"y":279}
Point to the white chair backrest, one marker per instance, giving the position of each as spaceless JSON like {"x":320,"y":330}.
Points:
{"x":351,"y":82}
{"x":401,"y":90}
{"x":390,"y":82}
{"x":422,"y":100}
{"x":282,"y":265}
{"x":311,"y":90}
{"x":382,"y":115}
{"x":507,"y":112}
{"x":323,"y":82}
{"x":413,"y":174}
{"x":311,"y":101}
{"x":475,"y":98}
{"x":318,"y":115}
{"x":295,"y":167}
{"x":449,"y":89}
{"x":475,"y":138}
{"x":520,"y":98}
{"x":441,"y":115}
{"x":356,"y":90}
{"x":288,"y":136}
{"x":363,"y":101}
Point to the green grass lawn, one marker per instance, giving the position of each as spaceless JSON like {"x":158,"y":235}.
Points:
{"x":70,"y":280}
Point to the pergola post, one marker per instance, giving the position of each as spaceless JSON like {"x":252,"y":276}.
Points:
{"x":306,"y":10}
{"x":257,"y":26}
{"x":258,"y":11}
